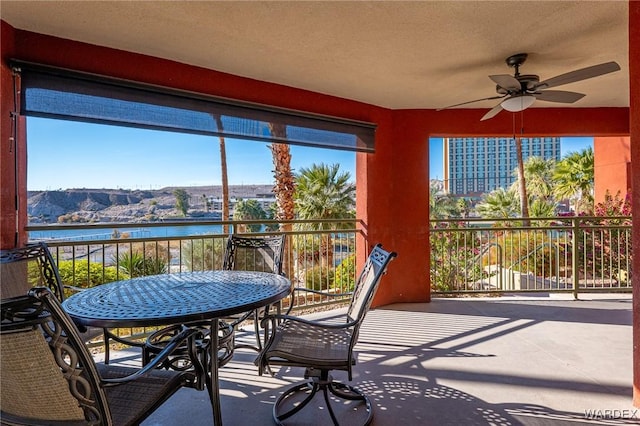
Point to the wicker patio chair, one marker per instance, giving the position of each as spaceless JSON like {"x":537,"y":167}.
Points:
{"x":323,"y":346}
{"x":32,"y":265}
{"x":49,"y":376}
{"x":262,"y":254}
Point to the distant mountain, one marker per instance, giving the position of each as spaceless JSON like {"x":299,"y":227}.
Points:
{"x":121,"y":205}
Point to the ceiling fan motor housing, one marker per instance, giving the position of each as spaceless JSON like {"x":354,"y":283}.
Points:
{"x":528,"y":83}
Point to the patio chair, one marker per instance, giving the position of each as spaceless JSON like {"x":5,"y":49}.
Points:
{"x":242,"y":253}
{"x":264,"y":254}
{"x":32,"y":265}
{"x":323,"y":346}
{"x":49,"y":376}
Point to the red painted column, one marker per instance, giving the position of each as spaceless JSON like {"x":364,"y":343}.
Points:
{"x":393,"y":197}
{"x":634,"y":126}
{"x":612,"y":166}
{"x":13,"y":184}
{"x":7,"y":158}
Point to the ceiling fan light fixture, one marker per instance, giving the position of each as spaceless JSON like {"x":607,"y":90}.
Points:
{"x":518,"y":103}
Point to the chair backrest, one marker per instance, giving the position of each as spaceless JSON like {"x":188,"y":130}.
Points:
{"x":25,"y":267}
{"x":367,"y":282}
{"x":263,"y":254}
{"x":48,"y":373}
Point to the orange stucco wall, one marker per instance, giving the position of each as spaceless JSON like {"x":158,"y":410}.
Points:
{"x":612,"y":166}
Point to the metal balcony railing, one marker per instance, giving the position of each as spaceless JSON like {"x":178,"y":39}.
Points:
{"x":319,"y":254}
{"x":561,"y":254}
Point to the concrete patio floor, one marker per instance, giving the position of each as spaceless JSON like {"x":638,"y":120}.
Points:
{"x":512,"y":360}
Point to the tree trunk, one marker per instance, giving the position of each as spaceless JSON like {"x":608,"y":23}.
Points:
{"x":284,"y":187}
{"x":225,"y":179}
{"x":524,"y":199}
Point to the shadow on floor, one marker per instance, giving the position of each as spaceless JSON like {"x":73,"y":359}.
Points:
{"x":460,"y":362}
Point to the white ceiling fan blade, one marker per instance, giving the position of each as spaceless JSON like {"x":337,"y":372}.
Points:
{"x":507,"y":82}
{"x":559,"y":96}
{"x":492,"y":112}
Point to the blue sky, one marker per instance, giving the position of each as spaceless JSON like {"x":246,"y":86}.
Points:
{"x":65,"y":154}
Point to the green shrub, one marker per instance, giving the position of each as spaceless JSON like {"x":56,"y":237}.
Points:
{"x":345,"y":277}
{"x":83,"y":274}
{"x":453,"y":253}
{"x":137,"y":264}
{"x":319,"y":278}
{"x":203,"y":255}
{"x":528,"y":251}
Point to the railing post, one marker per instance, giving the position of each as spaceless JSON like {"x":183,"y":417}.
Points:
{"x":574,"y":257}
{"x":557,"y":250}
{"x":500,"y":268}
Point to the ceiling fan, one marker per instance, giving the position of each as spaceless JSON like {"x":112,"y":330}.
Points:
{"x":520,"y":91}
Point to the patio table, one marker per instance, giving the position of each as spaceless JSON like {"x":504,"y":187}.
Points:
{"x":160,"y":300}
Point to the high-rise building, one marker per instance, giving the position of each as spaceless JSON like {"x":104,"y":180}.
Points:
{"x":474,"y":166}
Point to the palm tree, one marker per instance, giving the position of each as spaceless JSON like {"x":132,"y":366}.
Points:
{"x":522,"y":183}
{"x":249,"y":210}
{"x":573,"y":178}
{"x":223,"y":172}
{"x":284,"y":187}
{"x":323,"y":192}
{"x":284,"y":180}
{"x":442,"y":206}
{"x":182,"y":200}
{"x":499,"y":204}
{"x":538,"y":174}
{"x":464,"y":206}
{"x":542,"y":208}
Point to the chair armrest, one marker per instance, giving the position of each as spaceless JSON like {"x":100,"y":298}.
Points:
{"x":324,"y":293}
{"x":187,"y":334}
{"x":235,"y":321}
{"x":310,"y":290}
{"x":276,"y":318}
{"x":121,"y":340}
{"x":74,"y":288}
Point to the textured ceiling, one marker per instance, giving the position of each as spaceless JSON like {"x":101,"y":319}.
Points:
{"x":418,"y":54}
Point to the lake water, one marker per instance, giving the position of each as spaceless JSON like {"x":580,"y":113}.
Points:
{"x":142,"y":232}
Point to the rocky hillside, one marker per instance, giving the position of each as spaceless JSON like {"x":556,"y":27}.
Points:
{"x":114,"y":205}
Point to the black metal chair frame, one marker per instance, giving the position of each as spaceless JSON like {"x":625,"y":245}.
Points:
{"x":321,"y":347}
{"x":180,"y":359}
{"x":40,"y":253}
{"x":274,"y":245}
{"x":105,"y":394}
{"x":49,"y":277}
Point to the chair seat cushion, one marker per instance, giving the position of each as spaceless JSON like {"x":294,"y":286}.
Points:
{"x":311,"y":345}
{"x":129,"y":402}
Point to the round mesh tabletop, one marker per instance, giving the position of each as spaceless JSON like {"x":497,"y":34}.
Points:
{"x":175,"y":298}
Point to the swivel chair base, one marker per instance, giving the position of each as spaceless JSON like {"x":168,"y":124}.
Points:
{"x":347,"y":399}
